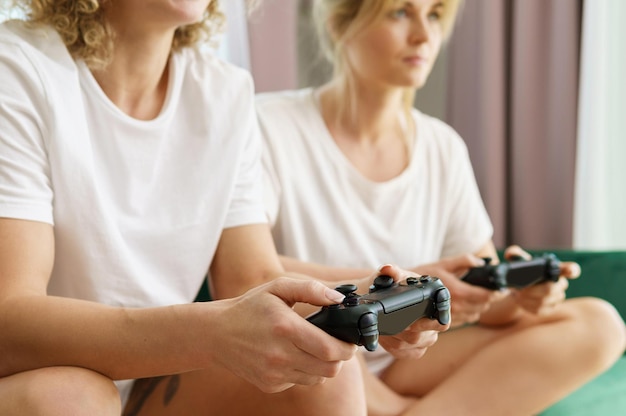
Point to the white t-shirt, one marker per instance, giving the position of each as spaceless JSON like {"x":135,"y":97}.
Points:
{"x":323,"y":210}
{"x":138,"y":207}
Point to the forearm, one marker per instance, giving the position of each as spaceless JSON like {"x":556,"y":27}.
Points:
{"x":332,"y":275}
{"x":121,"y":343}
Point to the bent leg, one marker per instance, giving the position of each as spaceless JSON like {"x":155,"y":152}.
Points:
{"x":519,"y":369}
{"x":59,"y":391}
{"x":217,"y":391}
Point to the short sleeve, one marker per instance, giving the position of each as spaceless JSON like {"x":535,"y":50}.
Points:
{"x":25,"y":185}
{"x":247,"y":201}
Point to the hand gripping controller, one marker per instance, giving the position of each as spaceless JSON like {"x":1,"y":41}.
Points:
{"x":517,"y":273}
{"x":387,"y":309}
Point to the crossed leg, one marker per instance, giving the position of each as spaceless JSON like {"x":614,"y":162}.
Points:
{"x":514,"y":370}
{"x":518,"y":369}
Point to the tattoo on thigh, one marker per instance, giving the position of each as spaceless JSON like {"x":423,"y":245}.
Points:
{"x":171,"y":389}
{"x":143,"y":389}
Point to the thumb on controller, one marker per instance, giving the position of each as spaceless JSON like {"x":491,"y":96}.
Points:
{"x":398,"y":274}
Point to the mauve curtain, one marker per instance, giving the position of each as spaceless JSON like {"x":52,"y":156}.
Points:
{"x":272,"y":29}
{"x":512,"y":95}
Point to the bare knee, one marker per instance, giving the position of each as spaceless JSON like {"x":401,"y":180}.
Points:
{"x":61,"y":391}
{"x":604,"y":328}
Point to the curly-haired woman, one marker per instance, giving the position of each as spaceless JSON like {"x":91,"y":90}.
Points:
{"x":129,"y":168}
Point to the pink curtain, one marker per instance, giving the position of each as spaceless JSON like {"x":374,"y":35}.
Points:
{"x":512,"y":94}
{"x":272,"y":29}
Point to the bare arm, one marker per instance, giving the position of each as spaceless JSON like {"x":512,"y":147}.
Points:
{"x":320,"y":271}
{"x":246,"y":257}
{"x":39,"y":330}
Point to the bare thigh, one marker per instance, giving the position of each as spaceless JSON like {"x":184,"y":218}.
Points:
{"x":63,"y":391}
{"x":217,"y":391}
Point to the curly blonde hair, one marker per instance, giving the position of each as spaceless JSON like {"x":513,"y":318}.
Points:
{"x":82,"y":26}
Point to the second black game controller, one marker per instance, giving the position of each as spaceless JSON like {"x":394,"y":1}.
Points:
{"x":388,"y":309}
{"x":516,"y":273}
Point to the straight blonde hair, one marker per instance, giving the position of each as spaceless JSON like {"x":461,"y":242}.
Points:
{"x":338,"y":20}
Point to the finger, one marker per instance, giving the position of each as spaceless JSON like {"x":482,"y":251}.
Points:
{"x":516,"y":251}
{"x":292,"y":291}
{"x":401,"y":349}
{"x":562,"y":284}
{"x":395,"y":346}
{"x":537,"y":291}
{"x":498,"y":295}
{"x":422,"y":339}
{"x":426,"y":324}
{"x":322,"y":346}
{"x":398,"y":274}
{"x":546,"y":289}
{"x":464,"y":316}
{"x":537,"y":305}
{"x":472,"y":294}
{"x":570,"y":269}
{"x":297,"y":365}
{"x":307,"y":365}
{"x":273,"y":388}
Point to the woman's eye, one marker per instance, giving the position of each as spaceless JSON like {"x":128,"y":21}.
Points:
{"x":398,"y":14}
{"x":434,"y":16}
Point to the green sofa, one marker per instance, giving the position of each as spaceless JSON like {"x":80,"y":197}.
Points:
{"x":603,"y":276}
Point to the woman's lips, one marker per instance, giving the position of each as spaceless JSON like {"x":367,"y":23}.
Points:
{"x":415,"y":60}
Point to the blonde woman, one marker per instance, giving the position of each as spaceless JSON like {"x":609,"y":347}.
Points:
{"x":124,"y":179}
{"x":356,"y":176}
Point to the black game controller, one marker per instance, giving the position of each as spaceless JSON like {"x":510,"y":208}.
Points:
{"x":387,"y":309}
{"x":517,"y":273}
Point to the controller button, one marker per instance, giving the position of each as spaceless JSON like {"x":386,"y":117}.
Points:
{"x":367,"y":321}
{"x":425,"y":278}
{"x":368,"y":329}
{"x":412,"y":280}
{"x":443,"y":295}
{"x":351,"y":300}
{"x":383,"y":282}
{"x":346,"y":289}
